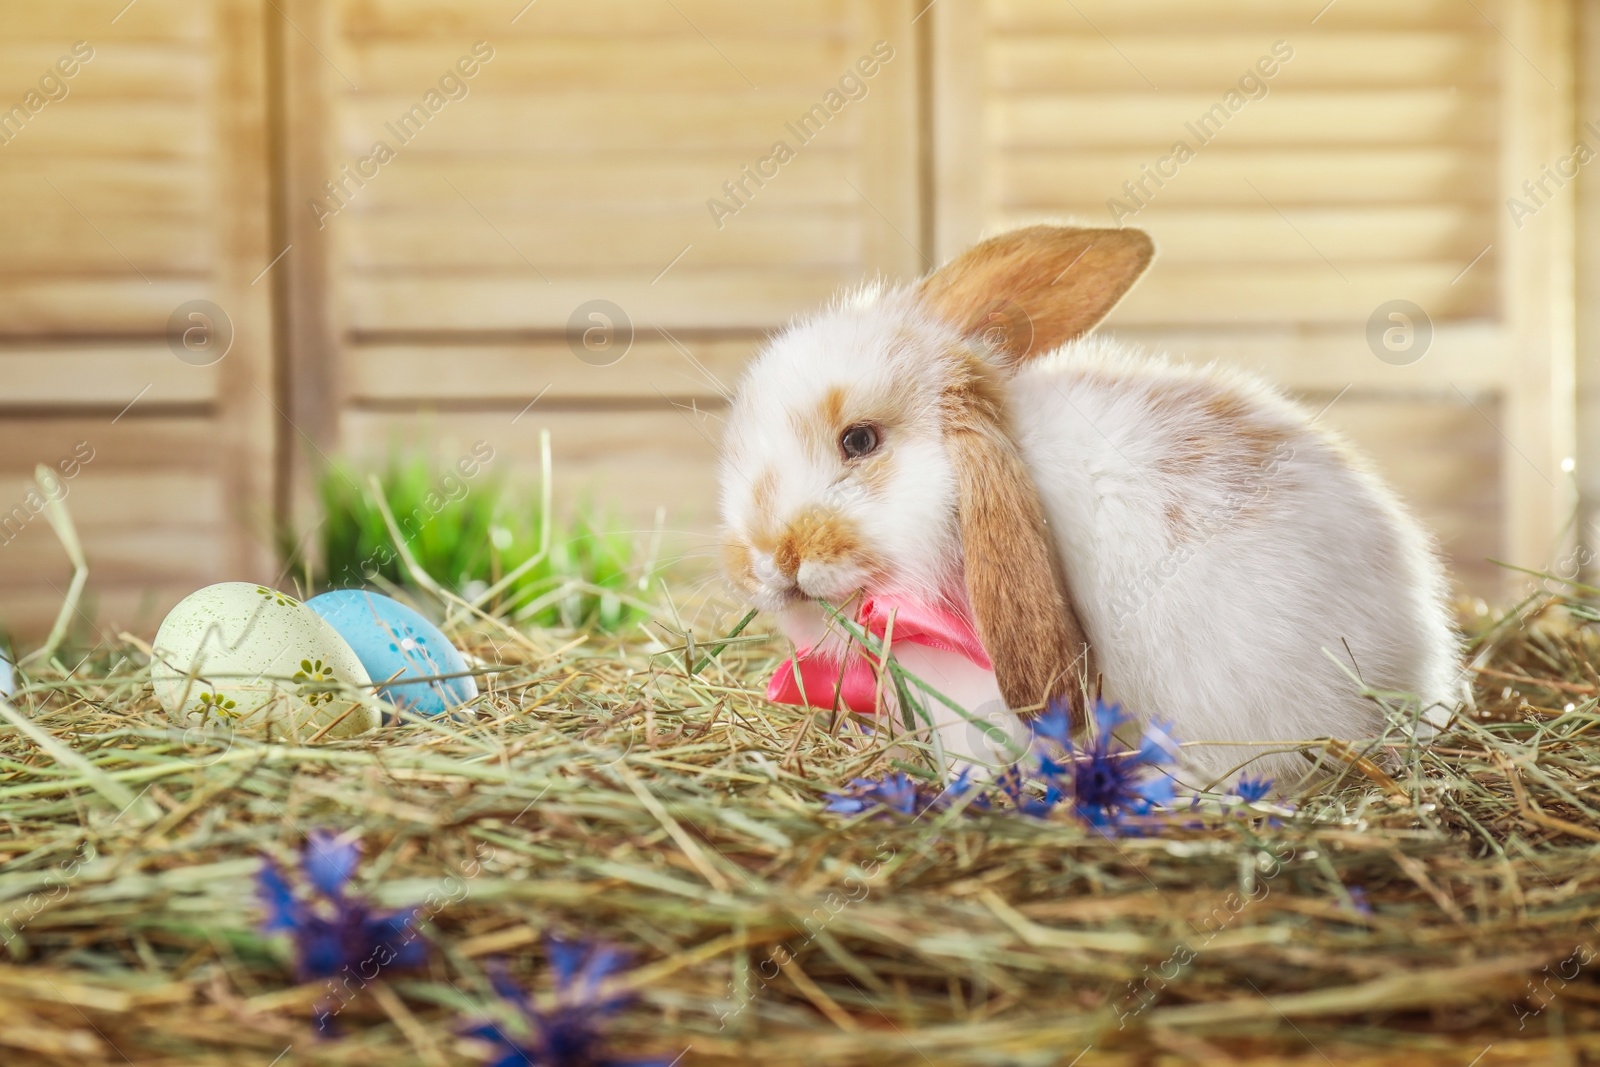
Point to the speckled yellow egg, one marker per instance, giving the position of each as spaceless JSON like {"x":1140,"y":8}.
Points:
{"x":256,"y":660}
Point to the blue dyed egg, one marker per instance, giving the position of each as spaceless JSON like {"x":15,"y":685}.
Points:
{"x":394,"y":641}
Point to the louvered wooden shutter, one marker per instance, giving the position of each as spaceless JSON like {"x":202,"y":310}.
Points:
{"x":140,"y":189}
{"x":1373,"y":164}
{"x":434,"y":305}
{"x":581,"y":166}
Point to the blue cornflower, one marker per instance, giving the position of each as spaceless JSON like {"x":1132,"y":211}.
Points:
{"x":1011,"y":783}
{"x":1107,"y":782}
{"x":569,"y":1034}
{"x":1054,"y":723}
{"x":1358,"y":897}
{"x":899,"y":792}
{"x":335,"y":932}
{"x":1251,"y":790}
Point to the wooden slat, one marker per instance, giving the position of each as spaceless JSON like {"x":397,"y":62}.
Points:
{"x":721,"y":20}
{"x":68,"y":375}
{"x":498,"y":187}
{"x":1180,"y":16}
{"x":117,"y":71}
{"x":132,"y":442}
{"x":515,"y":374}
{"x":742,"y":299}
{"x":1083,"y":62}
{"x":120,"y":302}
{"x":44,"y":232}
{"x":105,"y":496}
{"x":122,"y":130}
{"x":65,"y":21}
{"x":1289,"y":177}
{"x":119,"y":553}
{"x":1301,"y":293}
{"x":460,"y":238}
{"x":101,"y":188}
{"x":808,"y":65}
{"x":637,"y":123}
{"x":1427,"y":116}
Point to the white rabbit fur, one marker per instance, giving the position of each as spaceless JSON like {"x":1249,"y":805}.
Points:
{"x":1227,"y":557}
{"x":1247,"y":629}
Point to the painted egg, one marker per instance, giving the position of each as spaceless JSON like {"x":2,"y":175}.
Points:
{"x":396,"y":642}
{"x":257,"y":660}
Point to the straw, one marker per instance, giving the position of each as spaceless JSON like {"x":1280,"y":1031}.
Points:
{"x":611,"y":787}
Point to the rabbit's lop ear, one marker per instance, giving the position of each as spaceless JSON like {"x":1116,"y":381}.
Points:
{"x":1030,"y":291}
{"x":1023,"y":293}
{"x":1020,"y":599}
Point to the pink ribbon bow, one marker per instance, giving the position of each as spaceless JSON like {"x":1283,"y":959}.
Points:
{"x":855,"y":687}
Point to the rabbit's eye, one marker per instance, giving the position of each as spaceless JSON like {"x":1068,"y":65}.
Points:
{"x":859,"y":440}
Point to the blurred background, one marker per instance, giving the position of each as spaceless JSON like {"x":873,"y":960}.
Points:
{"x":253,"y":251}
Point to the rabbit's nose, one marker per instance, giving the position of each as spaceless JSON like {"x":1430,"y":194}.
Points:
{"x":816,"y":534}
{"x":786,"y":558}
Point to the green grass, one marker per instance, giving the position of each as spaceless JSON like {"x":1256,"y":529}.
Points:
{"x":469,"y":535}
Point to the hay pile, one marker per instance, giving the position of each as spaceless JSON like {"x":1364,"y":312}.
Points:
{"x":608,"y":790}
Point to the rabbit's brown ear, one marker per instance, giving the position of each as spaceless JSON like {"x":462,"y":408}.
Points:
{"x":1031,"y":290}
{"x":1020,"y":599}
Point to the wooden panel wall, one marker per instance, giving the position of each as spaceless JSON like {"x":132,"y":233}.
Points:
{"x":1301,"y":164}
{"x":132,"y":185}
{"x":535,"y":159}
{"x":584,"y":160}
{"x":1332,"y":165}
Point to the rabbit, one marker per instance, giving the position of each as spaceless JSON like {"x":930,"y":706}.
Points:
{"x":1185,"y":541}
